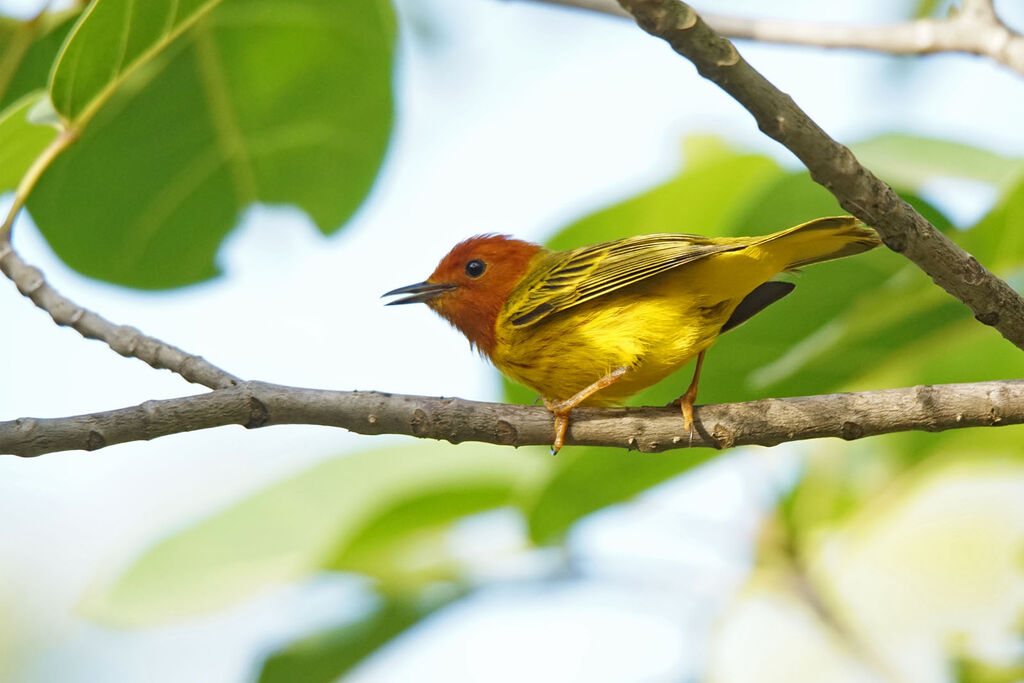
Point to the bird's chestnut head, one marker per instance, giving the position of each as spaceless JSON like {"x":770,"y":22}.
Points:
{"x":471,"y":284}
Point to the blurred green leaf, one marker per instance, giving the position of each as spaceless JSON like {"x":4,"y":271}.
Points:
{"x":589,"y":479}
{"x":328,"y":655}
{"x":713,"y":189}
{"x":909,"y":161}
{"x":254,"y":101}
{"x":926,"y":8}
{"x":969,"y":670}
{"x":287,"y":530}
{"x":28,"y":50}
{"x":997,"y":240}
{"x":20,"y":141}
{"x":405,"y":543}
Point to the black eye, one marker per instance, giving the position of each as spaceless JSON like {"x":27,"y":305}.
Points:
{"x":475,"y":268}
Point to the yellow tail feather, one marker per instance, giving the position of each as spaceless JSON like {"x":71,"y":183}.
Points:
{"x":823,"y":239}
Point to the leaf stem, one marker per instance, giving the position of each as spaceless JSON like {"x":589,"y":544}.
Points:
{"x":63,"y":140}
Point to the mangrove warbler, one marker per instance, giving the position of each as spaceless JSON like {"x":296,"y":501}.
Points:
{"x":597,"y":324}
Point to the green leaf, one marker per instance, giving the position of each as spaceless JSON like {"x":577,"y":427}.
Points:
{"x":926,"y":8}
{"x":328,"y":655}
{"x":997,"y":240}
{"x":405,"y":543}
{"x":705,"y":198}
{"x":909,"y":161}
{"x":28,"y":50}
{"x":288,"y":530}
{"x":589,"y":479}
{"x":210,"y":108}
{"x":20,"y":141}
{"x":114,"y":39}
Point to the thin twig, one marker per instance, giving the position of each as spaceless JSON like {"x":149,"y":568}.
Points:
{"x":766,"y":422}
{"x":975,"y":29}
{"x":832,"y":165}
{"x":126,"y":340}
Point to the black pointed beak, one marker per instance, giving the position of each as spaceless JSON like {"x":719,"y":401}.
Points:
{"x":421,"y":292}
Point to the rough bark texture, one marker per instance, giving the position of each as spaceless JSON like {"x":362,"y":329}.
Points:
{"x":766,"y":422}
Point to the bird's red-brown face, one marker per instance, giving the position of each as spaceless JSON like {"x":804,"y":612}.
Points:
{"x":472,"y":283}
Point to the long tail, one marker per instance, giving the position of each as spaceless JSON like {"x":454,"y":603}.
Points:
{"x":823,"y":239}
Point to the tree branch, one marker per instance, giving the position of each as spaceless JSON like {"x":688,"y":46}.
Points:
{"x":832,"y":165}
{"x":766,"y":422}
{"x":975,"y":29}
{"x":126,"y":340}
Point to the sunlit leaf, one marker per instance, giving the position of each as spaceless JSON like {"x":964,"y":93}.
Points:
{"x":211,"y":106}
{"x":288,"y":530}
{"x":20,"y":141}
{"x":406,"y":543}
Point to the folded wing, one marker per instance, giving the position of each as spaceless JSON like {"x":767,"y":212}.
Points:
{"x":586,"y":273}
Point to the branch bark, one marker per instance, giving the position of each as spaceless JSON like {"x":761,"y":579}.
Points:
{"x":975,"y":29}
{"x":832,"y":165}
{"x":766,"y":422}
{"x":126,"y":340}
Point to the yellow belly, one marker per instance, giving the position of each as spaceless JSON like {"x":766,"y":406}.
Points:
{"x":653,"y":328}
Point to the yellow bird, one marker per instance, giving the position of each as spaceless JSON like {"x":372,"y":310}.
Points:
{"x":595,"y":325}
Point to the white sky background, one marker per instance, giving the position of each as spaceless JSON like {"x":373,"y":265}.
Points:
{"x":512,"y":117}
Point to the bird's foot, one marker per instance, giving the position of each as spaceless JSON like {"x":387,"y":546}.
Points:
{"x":562,"y":409}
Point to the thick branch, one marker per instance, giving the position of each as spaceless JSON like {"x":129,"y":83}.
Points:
{"x":976,"y":29}
{"x":767,"y":422}
{"x":903,"y":229}
{"x":126,"y":340}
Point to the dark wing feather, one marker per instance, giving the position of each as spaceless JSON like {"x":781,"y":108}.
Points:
{"x":589,"y":272}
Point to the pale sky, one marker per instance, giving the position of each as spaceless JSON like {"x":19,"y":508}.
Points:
{"x":515,"y":118}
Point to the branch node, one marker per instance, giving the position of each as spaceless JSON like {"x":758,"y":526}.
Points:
{"x":686,"y":20}
{"x":722,"y":437}
{"x":258,"y":413}
{"x":506,"y":433}
{"x":124,"y":340}
{"x":418,"y":423}
{"x":95,"y":441}
{"x":851,"y":431}
{"x":730,"y":58}
{"x":990,"y":318}
{"x":31,"y":282}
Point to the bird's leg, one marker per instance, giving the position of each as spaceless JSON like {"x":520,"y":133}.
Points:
{"x":561,"y":409}
{"x":687,"y":400}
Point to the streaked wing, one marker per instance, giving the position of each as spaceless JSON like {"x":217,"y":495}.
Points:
{"x":589,"y":272}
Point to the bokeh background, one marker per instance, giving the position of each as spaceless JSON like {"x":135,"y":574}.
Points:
{"x":893,"y":559}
